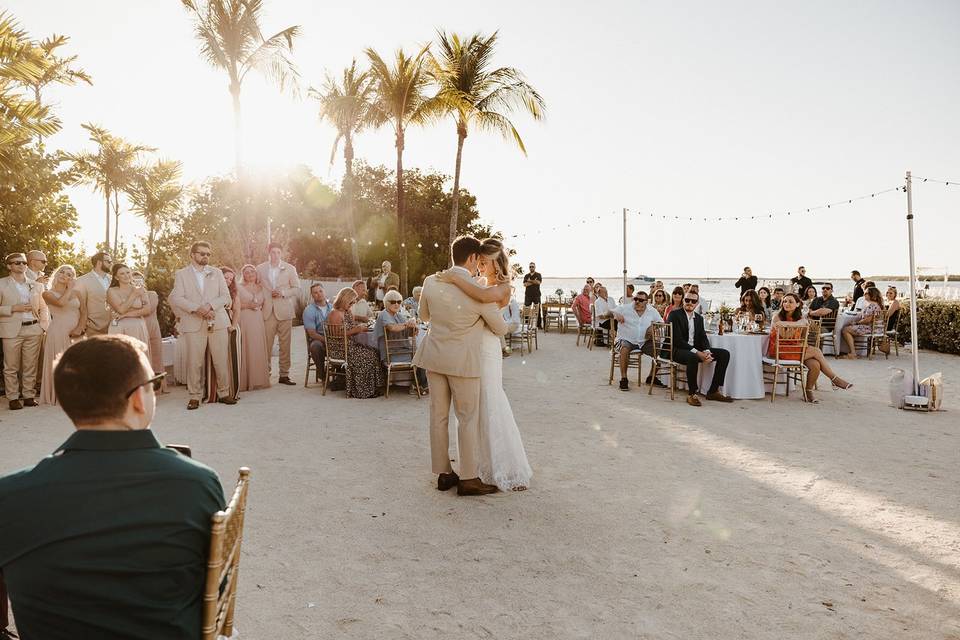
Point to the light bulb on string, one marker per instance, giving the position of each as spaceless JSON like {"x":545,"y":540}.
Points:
{"x":328,"y":236}
{"x":386,"y":244}
{"x":369,"y":243}
{"x":435,"y":245}
{"x":419,"y":246}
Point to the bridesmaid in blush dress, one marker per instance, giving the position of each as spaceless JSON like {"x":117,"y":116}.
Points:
{"x":68,"y":318}
{"x":129,"y":303}
{"x":153,"y":331}
{"x":253,"y":360}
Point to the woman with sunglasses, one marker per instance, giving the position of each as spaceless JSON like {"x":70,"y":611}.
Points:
{"x":660,"y":302}
{"x":391,"y":322}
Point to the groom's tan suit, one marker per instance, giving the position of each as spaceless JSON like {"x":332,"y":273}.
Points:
{"x":451,"y":356}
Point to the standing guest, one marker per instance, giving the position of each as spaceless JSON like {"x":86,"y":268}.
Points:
{"x":370,"y":287}
{"x":634,"y":328}
{"x":858,"y":285}
{"x":801,"y":281}
{"x":21,"y":332}
{"x":153,"y":332}
{"x":386,"y":280}
{"x":393,"y":319}
{"x":630,"y":290}
{"x":67,"y":322}
{"x":130,"y":304}
{"x":777,"y":297}
{"x":863,"y":325}
{"x":676,"y":301}
{"x":660,"y":302}
{"x":824,"y":304}
{"x":365,"y":377}
{"x":234,"y":344}
{"x":93,"y":290}
{"x":117,"y":547}
{"x":314,"y":317}
{"x":412,"y":304}
{"x":36,"y":270}
{"x":751,"y":307}
{"x":279,"y":305}
{"x":591,"y":282}
{"x":248,"y":314}
{"x":581,"y":305}
{"x":531,"y":290}
{"x":765,"y":300}
{"x":362,"y":311}
{"x":691,"y":347}
{"x":201,"y":293}
{"x":747,"y":281}
{"x":603,"y":306}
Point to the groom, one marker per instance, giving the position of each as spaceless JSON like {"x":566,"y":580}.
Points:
{"x":450,"y":353}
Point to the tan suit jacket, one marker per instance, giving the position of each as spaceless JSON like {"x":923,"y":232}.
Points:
{"x":187,"y":298}
{"x":44,"y":314}
{"x":288,"y":283}
{"x":457,"y":323}
{"x":10,"y":296}
{"x":95,"y":297}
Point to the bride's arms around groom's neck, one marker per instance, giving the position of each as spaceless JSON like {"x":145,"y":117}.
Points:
{"x":486,"y":294}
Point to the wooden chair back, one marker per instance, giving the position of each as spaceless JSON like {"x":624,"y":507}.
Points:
{"x":335,"y":335}
{"x":814,"y":328}
{"x":662,"y":340}
{"x":223,"y":563}
{"x":791,"y":341}
{"x":400,"y":347}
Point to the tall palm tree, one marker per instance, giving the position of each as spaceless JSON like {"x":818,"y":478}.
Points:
{"x":400,"y":99}
{"x":108,"y":169}
{"x":59,"y":70}
{"x":476,"y":94}
{"x":155,"y":194}
{"x":231,"y":39}
{"x":346,"y":105}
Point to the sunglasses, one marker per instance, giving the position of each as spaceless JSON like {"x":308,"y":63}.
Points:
{"x":691,"y":300}
{"x":827,"y":289}
{"x":20,"y":262}
{"x":393,"y":302}
{"x":156,"y":381}
{"x":204,"y":253}
{"x":640,"y":299}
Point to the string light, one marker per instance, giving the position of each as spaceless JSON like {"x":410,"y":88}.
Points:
{"x":949,"y":183}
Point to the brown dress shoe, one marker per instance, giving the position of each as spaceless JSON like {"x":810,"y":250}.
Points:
{"x":16,"y":404}
{"x":227,"y":400}
{"x":474,"y":487}
{"x":447,"y":481}
{"x":719,"y":397}
{"x":193,"y":404}
{"x":30,"y":402}
{"x":693,"y":401}
{"x":286,"y":380}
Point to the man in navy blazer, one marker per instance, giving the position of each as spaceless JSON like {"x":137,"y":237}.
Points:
{"x":691,"y":347}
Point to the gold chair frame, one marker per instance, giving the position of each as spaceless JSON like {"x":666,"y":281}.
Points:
{"x":631,"y":363}
{"x":789,"y":339}
{"x":404,"y":343}
{"x":335,"y":334}
{"x":223,"y":563}
{"x":528,"y":327}
{"x":311,"y":365}
{"x":828,"y":326}
{"x":893,"y":335}
{"x":663,"y":341}
{"x":878,"y":331}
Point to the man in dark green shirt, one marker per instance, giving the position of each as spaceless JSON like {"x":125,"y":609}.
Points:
{"x":108,"y":537}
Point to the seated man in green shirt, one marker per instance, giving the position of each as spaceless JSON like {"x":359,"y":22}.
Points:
{"x":107,"y":537}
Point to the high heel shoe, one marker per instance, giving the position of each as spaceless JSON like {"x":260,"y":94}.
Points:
{"x":808,"y":397}
{"x":843,"y":384}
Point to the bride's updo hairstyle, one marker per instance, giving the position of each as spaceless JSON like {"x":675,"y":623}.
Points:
{"x":493,"y":250}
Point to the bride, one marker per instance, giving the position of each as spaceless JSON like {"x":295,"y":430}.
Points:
{"x":503,"y":461}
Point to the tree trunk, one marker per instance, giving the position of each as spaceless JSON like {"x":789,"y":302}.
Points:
{"x":106,"y":241}
{"x":237,"y":153}
{"x":116,"y":219}
{"x":349,"y":194}
{"x":401,"y":223}
{"x":150,"y":238}
{"x":455,"y":208}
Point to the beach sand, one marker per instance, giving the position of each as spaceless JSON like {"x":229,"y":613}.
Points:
{"x":646,"y":518}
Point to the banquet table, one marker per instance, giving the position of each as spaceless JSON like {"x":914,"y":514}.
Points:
{"x":744,"y":379}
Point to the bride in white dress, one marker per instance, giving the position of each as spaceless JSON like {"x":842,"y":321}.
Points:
{"x":503,"y":461}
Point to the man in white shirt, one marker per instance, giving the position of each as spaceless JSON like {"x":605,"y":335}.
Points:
{"x":21,"y":332}
{"x":634,"y":331}
{"x":603,"y":306}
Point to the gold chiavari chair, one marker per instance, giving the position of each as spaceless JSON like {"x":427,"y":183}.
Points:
{"x":223,"y":563}
{"x":893,"y":333}
{"x":552,"y":315}
{"x":828,"y":325}
{"x":336,"y":362}
{"x":528,"y":327}
{"x":311,"y":365}
{"x":634,"y":359}
{"x":788,"y":358}
{"x":878,"y":332}
{"x":664,"y":364}
{"x":400,"y":347}
{"x":584,"y":329}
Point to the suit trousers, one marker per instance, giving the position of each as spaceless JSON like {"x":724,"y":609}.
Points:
{"x":197,"y":344}
{"x":272,"y":327}
{"x":465,"y":393}
{"x":689,"y":358}
{"x":21,"y":355}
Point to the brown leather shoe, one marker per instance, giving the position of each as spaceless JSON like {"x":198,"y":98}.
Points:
{"x":693,"y":401}
{"x":193,"y":404}
{"x":227,"y":400}
{"x":447,"y":481}
{"x":16,"y":404}
{"x":286,"y":380}
{"x":30,"y":402}
{"x":474,"y":487}
{"x":719,"y":397}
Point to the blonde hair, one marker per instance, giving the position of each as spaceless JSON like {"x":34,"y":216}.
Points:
{"x":493,"y":249}
{"x":346,"y":292}
{"x":56,"y":272}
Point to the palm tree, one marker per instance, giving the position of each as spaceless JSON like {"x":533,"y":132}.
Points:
{"x":155,"y":194}
{"x":108,"y":169}
{"x":476,"y":94}
{"x":231,"y":39}
{"x":59,"y":70}
{"x":400,"y":99}
{"x":346,"y":105}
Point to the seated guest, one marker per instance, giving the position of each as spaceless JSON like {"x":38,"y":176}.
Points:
{"x":394,"y":319}
{"x":630,"y":289}
{"x":314,"y":316}
{"x":581,"y":305}
{"x":861,"y":302}
{"x":790,"y":316}
{"x":117,"y":545}
{"x":413,"y":302}
{"x":893,"y":308}
{"x":603,"y":306}
{"x":765,"y":300}
{"x":691,"y":347}
{"x":809,"y":295}
{"x":862,"y":326}
{"x":824,"y":304}
{"x":703,"y":305}
{"x":660,"y":301}
{"x":676,"y":301}
{"x":365,"y":376}
{"x":634,"y":331}
{"x":362,"y":309}
{"x":777,"y":297}
{"x":751,"y":307}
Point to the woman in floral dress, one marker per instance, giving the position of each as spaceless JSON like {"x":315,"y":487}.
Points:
{"x":365,"y":375}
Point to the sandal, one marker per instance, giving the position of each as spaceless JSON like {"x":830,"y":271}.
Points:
{"x":843,"y":384}
{"x":808,"y":397}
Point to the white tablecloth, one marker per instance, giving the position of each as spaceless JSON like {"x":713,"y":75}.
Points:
{"x":169,"y":349}
{"x":744,"y":379}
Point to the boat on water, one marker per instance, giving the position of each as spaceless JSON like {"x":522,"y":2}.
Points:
{"x":642,"y":279}
{"x":709,"y":280}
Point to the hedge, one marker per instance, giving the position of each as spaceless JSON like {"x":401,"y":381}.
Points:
{"x":938,"y":325}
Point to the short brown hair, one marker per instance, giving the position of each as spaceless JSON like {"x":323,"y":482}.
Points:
{"x":93,"y":377}
{"x":200,"y":243}
{"x":274,"y":245}
{"x":464,"y":247}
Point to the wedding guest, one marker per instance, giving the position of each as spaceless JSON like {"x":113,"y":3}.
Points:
{"x":370,"y":288}
{"x":365,"y":376}
{"x":790,"y":316}
{"x":676,"y":301}
{"x":859,"y":304}
{"x":234,"y":344}
{"x":314,"y":316}
{"x":362,"y":311}
{"x":21,"y":332}
{"x":703,"y":305}
{"x":581,"y":305}
{"x":67,"y":322}
{"x":531,"y":290}
{"x":658,"y":286}
{"x":809,"y":295}
{"x":603,"y":306}
{"x":747,"y":281}
{"x":511,"y":315}
{"x":630,"y":290}
{"x":824,"y":304}
{"x":765,"y":300}
{"x":751,"y":307}
{"x":863,"y":324}
{"x":386,"y":280}
{"x":858,"y":283}
{"x":254,"y":373}
{"x":691,"y":347}
{"x":117,"y":546}
{"x":801,"y":281}
{"x":279,"y":305}
{"x":36,"y":271}
{"x":777,"y":297}
{"x":201,"y":293}
{"x":893,"y":308}
{"x":130,"y":304}
{"x":413,"y":302}
{"x":93,"y":287}
{"x":153,"y":332}
{"x":634,"y":331}
{"x":393,"y":320}
{"x":660,"y":301}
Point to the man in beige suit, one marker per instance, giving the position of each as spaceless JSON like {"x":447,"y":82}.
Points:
{"x":93,"y":287}
{"x":280,"y":279}
{"x":21,"y":332}
{"x":37,"y":270}
{"x":200,"y":294}
{"x":450,"y":353}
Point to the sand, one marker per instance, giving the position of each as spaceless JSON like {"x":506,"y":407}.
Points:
{"x":646,"y":518}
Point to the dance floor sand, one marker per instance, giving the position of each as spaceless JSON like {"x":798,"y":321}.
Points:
{"x":646,"y":519}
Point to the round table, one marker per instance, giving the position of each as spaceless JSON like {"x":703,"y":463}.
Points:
{"x":744,"y":379}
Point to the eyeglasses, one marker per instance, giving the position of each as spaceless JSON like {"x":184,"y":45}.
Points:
{"x":639,"y":299}
{"x":156,"y":381}
{"x":20,"y":262}
{"x":204,"y":253}
{"x":691,"y":300}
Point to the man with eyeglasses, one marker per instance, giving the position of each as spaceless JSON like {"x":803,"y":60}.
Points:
{"x":824,"y":304}
{"x":691,"y":347}
{"x":93,"y":287}
{"x":108,"y":537}
{"x":200,"y":293}
{"x":21,"y":333}
{"x":634,"y":331}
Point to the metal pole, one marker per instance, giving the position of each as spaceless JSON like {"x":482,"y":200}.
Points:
{"x":269,"y":235}
{"x":913,"y":290}
{"x":625,"y":256}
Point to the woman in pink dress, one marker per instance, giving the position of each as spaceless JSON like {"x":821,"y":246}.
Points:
{"x":130,"y":305}
{"x":153,"y":331}
{"x":253,"y":359}
{"x":68,"y":317}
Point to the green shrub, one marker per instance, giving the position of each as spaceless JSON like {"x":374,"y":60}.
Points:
{"x":938,"y":325}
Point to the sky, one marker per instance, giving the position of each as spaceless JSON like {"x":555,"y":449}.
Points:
{"x":685,"y":109}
